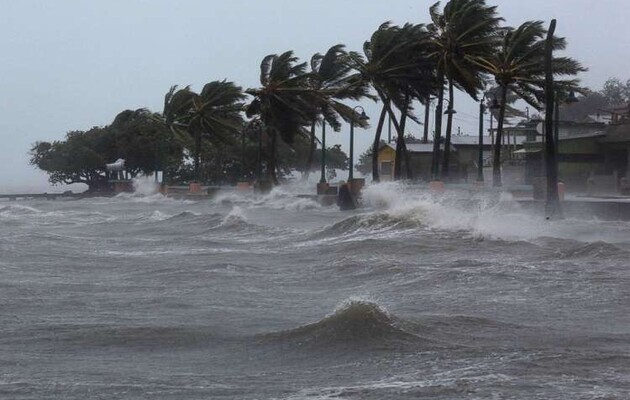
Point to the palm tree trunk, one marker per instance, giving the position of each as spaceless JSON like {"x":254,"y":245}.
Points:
{"x":552,"y":206}
{"x":408,"y":170}
{"x":449,"y":130}
{"x":391,"y":114}
{"x":197,"y":155}
{"x":274,"y":153}
{"x":377,"y":142}
{"x":427,"y":111}
{"x":311,"y":151}
{"x":403,"y":124}
{"x":400,"y":141}
{"x":271,"y":167}
{"x":435,"y":163}
{"x":496,"y":165}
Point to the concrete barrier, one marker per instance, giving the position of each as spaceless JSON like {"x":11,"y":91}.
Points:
{"x":194,"y":187}
{"x":436,"y":187}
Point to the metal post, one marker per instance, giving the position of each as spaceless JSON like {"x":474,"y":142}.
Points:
{"x":156,"y":161}
{"x":322,"y":179}
{"x":556,"y":126}
{"x":492,"y":134}
{"x":243,"y":154}
{"x":259,"y":154}
{"x":350,"y":174}
{"x":480,"y":160}
{"x":389,"y":129}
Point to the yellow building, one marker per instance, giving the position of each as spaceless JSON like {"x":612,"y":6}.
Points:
{"x":420,"y":155}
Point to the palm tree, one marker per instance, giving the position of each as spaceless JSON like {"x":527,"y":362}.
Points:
{"x":465,"y":29}
{"x":329,"y":80}
{"x":214,"y":114}
{"x":518,"y":66}
{"x":396,"y":64}
{"x":492,"y":96}
{"x":284,"y":102}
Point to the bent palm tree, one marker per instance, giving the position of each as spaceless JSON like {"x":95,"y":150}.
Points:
{"x":329,"y":81}
{"x":215,"y":114}
{"x":284,"y":102}
{"x":518,"y":66}
{"x":396,"y":64}
{"x":464,"y":30}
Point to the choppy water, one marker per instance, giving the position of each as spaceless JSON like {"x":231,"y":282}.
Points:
{"x":276,"y":297}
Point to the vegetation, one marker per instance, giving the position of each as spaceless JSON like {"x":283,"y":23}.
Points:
{"x":135,"y":136}
{"x":397,"y":64}
{"x":517,"y":65}
{"x":224,"y":134}
{"x":464,"y":31}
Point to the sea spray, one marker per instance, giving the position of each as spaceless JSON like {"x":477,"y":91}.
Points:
{"x":482,"y":214}
{"x":145,"y":186}
{"x":235,"y":217}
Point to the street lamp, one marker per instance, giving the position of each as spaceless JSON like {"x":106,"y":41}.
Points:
{"x":259,"y":153}
{"x":449,"y":110}
{"x":362,"y":117}
{"x":322,"y":179}
{"x":482,"y":109}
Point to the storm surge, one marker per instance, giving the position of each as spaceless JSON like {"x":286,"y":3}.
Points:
{"x":249,"y":296}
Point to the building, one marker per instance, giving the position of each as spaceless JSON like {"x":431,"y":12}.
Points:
{"x":593,"y":150}
{"x":420,"y":156}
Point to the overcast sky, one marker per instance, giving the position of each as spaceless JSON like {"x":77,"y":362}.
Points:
{"x":74,"y":64}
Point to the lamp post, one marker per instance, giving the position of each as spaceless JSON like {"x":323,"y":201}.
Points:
{"x":480,"y":157}
{"x":482,"y":110}
{"x":243,"y":154}
{"x":362,"y":117}
{"x":157,"y":162}
{"x":259,"y":154}
{"x":447,"y":140}
{"x":322,"y":179}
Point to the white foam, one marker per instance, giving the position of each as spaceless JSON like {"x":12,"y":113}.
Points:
{"x":488,"y":214}
{"x":236,"y":215}
{"x":159,"y":216}
{"x":145,"y":185}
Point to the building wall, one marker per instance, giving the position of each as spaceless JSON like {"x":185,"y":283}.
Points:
{"x":577,"y":160}
{"x":386,"y":160}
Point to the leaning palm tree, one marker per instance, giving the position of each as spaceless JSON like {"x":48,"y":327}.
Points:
{"x":517,"y":65}
{"x":396,"y":64}
{"x":329,"y":81}
{"x":465,"y":29}
{"x":284,"y":103}
{"x":215,"y":115}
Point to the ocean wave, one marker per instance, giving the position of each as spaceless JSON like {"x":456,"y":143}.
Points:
{"x":354,"y":323}
{"x":367,"y":223}
{"x":19,"y":213}
{"x":13,"y":210}
{"x":280,"y":198}
{"x":151,"y":337}
{"x":484,"y":214}
{"x":594,"y":249}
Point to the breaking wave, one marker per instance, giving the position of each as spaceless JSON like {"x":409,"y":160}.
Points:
{"x":280,"y":198}
{"x":488,"y":214}
{"x":355,"y":322}
{"x":18,"y":210}
{"x":368,"y":224}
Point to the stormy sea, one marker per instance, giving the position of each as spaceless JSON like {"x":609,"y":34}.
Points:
{"x":275,"y":296}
